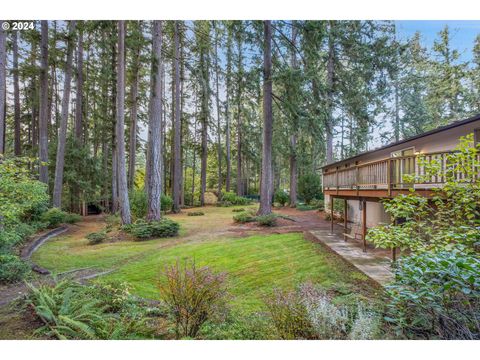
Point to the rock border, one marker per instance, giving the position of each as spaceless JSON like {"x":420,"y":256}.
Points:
{"x":33,"y":246}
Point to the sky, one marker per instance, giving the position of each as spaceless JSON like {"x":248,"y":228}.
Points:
{"x":463,"y":33}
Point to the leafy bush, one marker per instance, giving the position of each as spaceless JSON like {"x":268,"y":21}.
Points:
{"x":72,"y":218}
{"x":71,"y":311}
{"x":166,"y":203}
{"x":450,"y":217}
{"x":112,"y":221}
{"x":192,"y":296}
{"x":65,"y":314}
{"x":96,"y":237}
{"x":328,"y":320}
{"x":289,"y":315}
{"x":281,"y":197}
{"x":238,"y":210}
{"x":16,"y":234}
{"x":366,"y":326}
{"x":309,"y":313}
{"x":196,"y":213}
{"x":238,"y":326}
{"x":266,"y":220}
{"x":230,"y":199}
{"x":436,"y":295}
{"x":243,"y":217}
{"x":22,"y":197}
{"x":54,"y":217}
{"x":12,"y":268}
{"x":138,"y":203}
{"x":309,"y":187}
{"x":143,"y":230}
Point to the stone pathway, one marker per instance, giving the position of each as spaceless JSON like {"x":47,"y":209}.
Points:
{"x":373,"y":263}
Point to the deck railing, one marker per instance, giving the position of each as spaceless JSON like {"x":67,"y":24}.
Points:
{"x":387,"y":173}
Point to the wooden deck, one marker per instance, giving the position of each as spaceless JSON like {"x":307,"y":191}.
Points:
{"x":383,"y":178}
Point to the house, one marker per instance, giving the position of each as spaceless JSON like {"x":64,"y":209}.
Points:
{"x":362,"y":181}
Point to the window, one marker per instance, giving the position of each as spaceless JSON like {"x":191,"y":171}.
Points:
{"x":404,"y":152}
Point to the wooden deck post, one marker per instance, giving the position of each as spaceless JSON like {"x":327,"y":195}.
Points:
{"x":389,"y":177}
{"x":364,"y":224}
{"x":345,"y":218}
{"x":331,"y":214}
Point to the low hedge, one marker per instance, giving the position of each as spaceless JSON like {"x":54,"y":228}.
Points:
{"x":143,"y":230}
{"x":12,"y":268}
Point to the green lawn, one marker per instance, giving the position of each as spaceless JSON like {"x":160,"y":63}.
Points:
{"x":254,"y":264}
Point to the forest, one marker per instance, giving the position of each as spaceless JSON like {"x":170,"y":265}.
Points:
{"x":167,"y":174}
{"x":88,"y":110}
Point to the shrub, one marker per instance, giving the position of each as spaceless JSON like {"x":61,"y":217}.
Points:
{"x":309,"y":313}
{"x":289,"y":315}
{"x":449,"y":217}
{"x":64,"y":313}
{"x":318,"y":204}
{"x":72,"y":218}
{"x":22,"y":196}
{"x":192,"y":296}
{"x":238,"y":210}
{"x":166,"y":203}
{"x":15,"y":235}
{"x":12,"y":268}
{"x":54,"y":217}
{"x":138,"y":203}
{"x":436,"y":295}
{"x":96,"y":237}
{"x":366,"y":325}
{"x":112,"y":221}
{"x":281,"y":197}
{"x":230,"y":198}
{"x":266,"y":220}
{"x":309,"y":187}
{"x":243,"y":217}
{"x":196,"y":213}
{"x":239,"y":326}
{"x":154,"y":229}
{"x":71,"y":311}
{"x":328,"y":320}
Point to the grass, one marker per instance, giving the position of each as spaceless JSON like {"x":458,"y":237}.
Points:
{"x":254,"y":264}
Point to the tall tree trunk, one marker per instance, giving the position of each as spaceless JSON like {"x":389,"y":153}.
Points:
{"x":62,"y":136}
{"x":16,"y":96}
{"x":120,"y":148}
{"x":177,"y":163}
{"x":133,"y":119}
{"x":183,"y":125}
{"x":239,"y":119}
{"x":43,"y":119}
{"x":204,"y":72}
{"x":79,"y":101}
{"x":113,"y":115}
{"x":293,"y":137}
{"x":227,"y":111}
{"x":330,"y":91}
{"x":266,"y":182}
{"x":217,"y":94}
{"x":3,"y":86}
{"x":155,"y":129}
{"x":194,"y":161}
